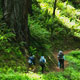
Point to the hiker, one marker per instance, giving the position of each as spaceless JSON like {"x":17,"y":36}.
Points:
{"x":31,"y":61}
{"x":42,"y":63}
{"x":60,"y":59}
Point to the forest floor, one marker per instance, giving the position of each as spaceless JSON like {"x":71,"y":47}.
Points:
{"x":56,"y":68}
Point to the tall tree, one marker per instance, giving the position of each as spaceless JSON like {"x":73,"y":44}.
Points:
{"x":54,"y":8}
{"x":30,"y":7}
{"x":16,"y":16}
{"x":2,"y":5}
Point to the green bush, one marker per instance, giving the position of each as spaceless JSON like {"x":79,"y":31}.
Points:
{"x":50,"y":76}
{"x":75,"y":54}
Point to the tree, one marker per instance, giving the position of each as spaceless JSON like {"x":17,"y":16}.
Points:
{"x":54,"y":8}
{"x":16,"y":16}
{"x":2,"y":5}
{"x":30,"y":7}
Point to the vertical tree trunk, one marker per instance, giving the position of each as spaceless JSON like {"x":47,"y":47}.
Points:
{"x":30,"y":7}
{"x":16,"y":16}
{"x":53,"y":17}
{"x":54,"y":8}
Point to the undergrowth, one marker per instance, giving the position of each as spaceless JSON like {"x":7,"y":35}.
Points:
{"x":10,"y":54}
{"x":70,"y":73}
{"x":46,"y":33}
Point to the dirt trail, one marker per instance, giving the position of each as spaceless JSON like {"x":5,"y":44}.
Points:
{"x":65,"y":62}
{"x":55,"y":68}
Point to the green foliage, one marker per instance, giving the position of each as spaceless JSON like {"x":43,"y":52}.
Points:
{"x":62,"y":27}
{"x":74,"y":57}
{"x":14,"y":76}
{"x":5,"y":37}
{"x":10,"y":54}
{"x":76,"y":3}
{"x":50,"y":76}
{"x":65,"y":23}
{"x":70,"y":73}
{"x":6,"y":43}
{"x":39,"y":37}
{"x":75,"y":53}
{"x":32,"y":50}
{"x":65,"y":13}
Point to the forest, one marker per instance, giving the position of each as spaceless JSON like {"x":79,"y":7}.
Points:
{"x":39,"y":39}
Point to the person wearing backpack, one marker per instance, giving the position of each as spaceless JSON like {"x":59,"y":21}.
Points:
{"x":31,"y":61}
{"x":42,"y":63}
{"x":60,"y":59}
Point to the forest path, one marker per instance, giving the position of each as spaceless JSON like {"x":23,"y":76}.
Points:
{"x":56,"y":68}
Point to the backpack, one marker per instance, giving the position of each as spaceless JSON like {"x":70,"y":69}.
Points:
{"x":31,"y":58}
{"x":42,"y":60}
{"x":61,"y":56}
{"x":30,"y":61}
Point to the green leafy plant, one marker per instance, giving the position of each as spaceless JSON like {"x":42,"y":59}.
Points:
{"x":32,"y":50}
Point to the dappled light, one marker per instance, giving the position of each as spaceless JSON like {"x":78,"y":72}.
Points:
{"x":39,"y":40}
{"x":70,"y":11}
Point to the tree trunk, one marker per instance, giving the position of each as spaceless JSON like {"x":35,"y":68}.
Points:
{"x":53,"y":17}
{"x":16,"y":16}
{"x":30,"y":7}
{"x":54,"y":7}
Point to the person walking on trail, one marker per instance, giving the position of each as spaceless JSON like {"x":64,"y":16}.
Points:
{"x":31,"y":61}
{"x":60,"y":59}
{"x":42,"y":63}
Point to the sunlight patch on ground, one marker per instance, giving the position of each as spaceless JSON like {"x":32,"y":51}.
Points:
{"x":34,"y":75}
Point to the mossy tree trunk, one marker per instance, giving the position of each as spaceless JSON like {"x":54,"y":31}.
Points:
{"x":16,"y":16}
